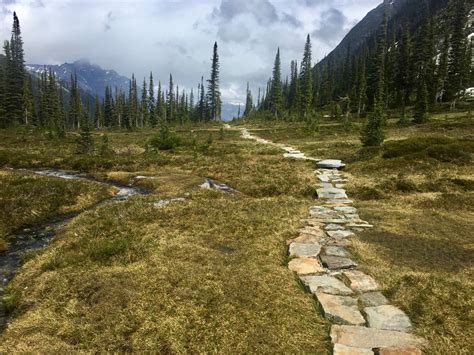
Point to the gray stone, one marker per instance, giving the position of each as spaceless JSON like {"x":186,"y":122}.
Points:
{"x":336,"y":251}
{"x":331,"y":193}
{"x":337,"y":262}
{"x":323,"y":178}
{"x":321,"y":210}
{"x":326,"y":185}
{"x":312,"y":230}
{"x":340,"y":309}
{"x":340,"y":349}
{"x":387,"y":317}
{"x":304,"y":249}
{"x":373,"y":299}
{"x":306,"y":266}
{"x":340,"y":234}
{"x":330,"y":164}
{"x":326,"y":284}
{"x":360,"y":282}
{"x":370,"y":338}
{"x":334,"y":227}
{"x":359,"y":225}
{"x":346,"y":209}
{"x":402,"y":350}
{"x":306,"y":239}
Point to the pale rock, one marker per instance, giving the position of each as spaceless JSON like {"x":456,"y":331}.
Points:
{"x":304,"y":249}
{"x":336,"y":251}
{"x":340,"y":349}
{"x":326,"y":284}
{"x":373,"y":299}
{"x":387,"y":317}
{"x":360,"y":282}
{"x":340,"y":234}
{"x":306,"y":266}
{"x":330,"y":164}
{"x":340,"y":309}
{"x":408,"y":350}
{"x":337,"y":262}
{"x":331,"y":193}
{"x":334,"y":227}
{"x":370,"y":338}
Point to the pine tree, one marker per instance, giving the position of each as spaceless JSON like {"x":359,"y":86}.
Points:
{"x":202,"y":102}
{"x":170,"y":104}
{"x":372,"y":134}
{"x":306,"y":79}
{"x":28,"y":105}
{"x":421,"y":106}
{"x":75,"y":103}
{"x":151,"y":103}
{"x":404,"y":73}
{"x":248,"y":102}
{"x":276,"y":94}
{"x":3,"y":122}
{"x":457,"y":54}
{"x":98,"y":119}
{"x":108,"y":112}
{"x":85,"y":141}
{"x":144,"y":109}
{"x":14,"y":75}
{"x":160,"y":105}
{"x":213,"y":92}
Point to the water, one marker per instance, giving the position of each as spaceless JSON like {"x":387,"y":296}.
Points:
{"x":39,"y":236}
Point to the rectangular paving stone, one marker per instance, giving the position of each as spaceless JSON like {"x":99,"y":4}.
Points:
{"x":334,"y":227}
{"x":360,"y":282}
{"x":331,"y":193}
{"x":335,"y":251}
{"x":304,"y":249}
{"x":370,"y":338}
{"x":339,"y":234}
{"x":306,"y":266}
{"x":373,"y":299}
{"x":306,"y":239}
{"x":326,"y":284}
{"x":340,"y":309}
{"x":387,"y":317}
{"x":340,"y":349}
{"x":337,"y":262}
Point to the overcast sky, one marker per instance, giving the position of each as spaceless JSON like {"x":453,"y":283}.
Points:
{"x":136,"y":36}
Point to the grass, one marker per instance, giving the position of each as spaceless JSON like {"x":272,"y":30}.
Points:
{"x":27,"y":199}
{"x":204,"y":275}
{"x":209,"y":274}
{"x":418,"y":192}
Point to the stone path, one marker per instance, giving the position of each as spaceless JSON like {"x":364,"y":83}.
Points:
{"x":364,"y":322}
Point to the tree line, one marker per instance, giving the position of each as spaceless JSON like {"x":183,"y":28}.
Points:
{"x":47,"y":103}
{"x":397,"y":70}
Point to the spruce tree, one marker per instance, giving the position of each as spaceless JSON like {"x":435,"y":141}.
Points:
{"x":202,"y":102}
{"x":213,"y":92}
{"x":306,"y":79}
{"x":28,"y":105}
{"x":151,"y":103}
{"x":457,"y":54}
{"x":421,"y":106}
{"x":170,"y":103}
{"x":276,"y":94}
{"x":98,"y":118}
{"x":144,"y":109}
{"x":404,"y":73}
{"x":248,"y":102}
{"x":108,"y":113}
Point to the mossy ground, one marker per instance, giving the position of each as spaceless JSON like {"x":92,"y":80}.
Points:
{"x":204,"y":275}
{"x":209,"y":274}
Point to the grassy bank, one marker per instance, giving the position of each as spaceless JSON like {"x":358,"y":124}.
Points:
{"x":27,"y":199}
{"x":204,"y":275}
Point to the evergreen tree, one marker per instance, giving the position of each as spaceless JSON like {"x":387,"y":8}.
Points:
{"x":404,"y":73}
{"x":28,"y":105}
{"x":276,"y":94}
{"x":98,"y":119}
{"x":457,"y":54}
{"x":144,"y":109}
{"x":170,"y":104}
{"x":108,"y":112}
{"x":202,"y":102}
{"x":248,"y":102}
{"x":160,"y":105}
{"x":213,"y":92}
{"x":421,"y":106}
{"x":75,"y":103}
{"x":151,"y":103}
{"x":14,"y":75}
{"x":306,"y":79}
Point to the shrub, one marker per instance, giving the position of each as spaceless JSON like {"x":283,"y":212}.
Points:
{"x":450,"y":153}
{"x":164,"y":140}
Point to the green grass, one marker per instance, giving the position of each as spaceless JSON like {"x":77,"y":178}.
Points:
{"x":27,"y":199}
{"x":205,"y":275}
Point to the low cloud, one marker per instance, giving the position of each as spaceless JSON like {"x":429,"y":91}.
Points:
{"x":331,"y":27}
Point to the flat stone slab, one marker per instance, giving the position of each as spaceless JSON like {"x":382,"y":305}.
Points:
{"x":340,"y":349}
{"x":340,"y":234}
{"x":387,"y":317}
{"x":334,"y":227}
{"x":323,"y":178}
{"x":360,"y":282}
{"x":373,"y":299}
{"x":312,"y":230}
{"x":370,"y":338}
{"x":336,"y":251}
{"x":337,"y":262}
{"x":346,"y":209}
{"x":306,"y":239}
{"x":306,"y":266}
{"x":330,"y":164}
{"x":304,"y":249}
{"x":408,"y":350}
{"x":331,"y":193}
{"x":326,"y":284}
{"x":340,"y":309}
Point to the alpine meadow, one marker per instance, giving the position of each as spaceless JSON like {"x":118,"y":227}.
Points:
{"x":247,"y":176}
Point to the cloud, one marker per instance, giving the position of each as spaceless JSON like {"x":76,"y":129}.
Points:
{"x":109,"y":18}
{"x":332,"y":26}
{"x":262,"y":10}
{"x":291,"y":20}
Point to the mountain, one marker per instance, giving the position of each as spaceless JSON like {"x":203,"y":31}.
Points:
{"x":399,"y":13}
{"x":229,"y":111}
{"x":91,"y":78}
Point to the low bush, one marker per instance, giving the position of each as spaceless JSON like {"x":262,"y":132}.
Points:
{"x":165,"y":140}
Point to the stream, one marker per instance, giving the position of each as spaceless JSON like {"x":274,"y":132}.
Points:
{"x":38,"y":237}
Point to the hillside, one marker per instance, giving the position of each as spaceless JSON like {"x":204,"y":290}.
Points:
{"x":91,"y":77}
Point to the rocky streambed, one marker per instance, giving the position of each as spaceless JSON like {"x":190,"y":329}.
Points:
{"x":37,"y":237}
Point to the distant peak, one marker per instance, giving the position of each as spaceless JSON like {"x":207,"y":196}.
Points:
{"x":82,"y":61}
